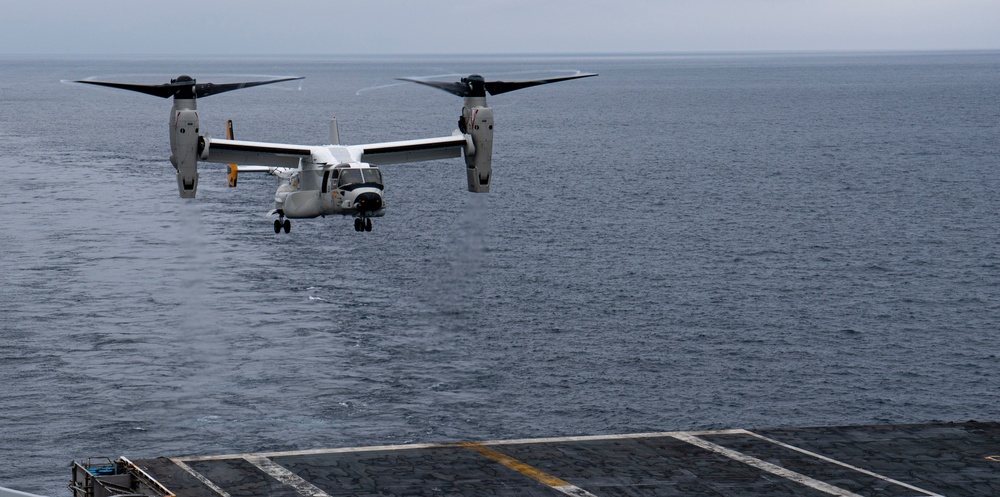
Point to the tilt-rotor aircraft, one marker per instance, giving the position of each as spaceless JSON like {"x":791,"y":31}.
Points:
{"x":321,"y":180}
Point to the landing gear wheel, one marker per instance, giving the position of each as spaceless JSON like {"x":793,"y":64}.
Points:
{"x":277,"y":226}
{"x":287,"y":226}
{"x":357,"y":224}
{"x":368,"y":224}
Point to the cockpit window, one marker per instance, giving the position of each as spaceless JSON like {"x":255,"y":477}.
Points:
{"x":368,"y":176}
{"x":373,"y":176}
{"x":351,"y":176}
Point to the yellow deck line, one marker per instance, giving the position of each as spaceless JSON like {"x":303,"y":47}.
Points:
{"x":527,"y":470}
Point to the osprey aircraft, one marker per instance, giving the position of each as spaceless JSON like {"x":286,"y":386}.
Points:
{"x":321,"y":180}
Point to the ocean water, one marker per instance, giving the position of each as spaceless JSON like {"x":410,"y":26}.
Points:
{"x":688,"y":241}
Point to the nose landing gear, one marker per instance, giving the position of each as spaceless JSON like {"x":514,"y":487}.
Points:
{"x":362,"y":224}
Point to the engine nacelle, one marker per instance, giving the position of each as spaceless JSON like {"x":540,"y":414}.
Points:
{"x":479,"y":168}
{"x":184,"y":143}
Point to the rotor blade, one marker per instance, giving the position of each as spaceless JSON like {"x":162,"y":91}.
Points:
{"x":460,"y":89}
{"x":163,"y":91}
{"x":206,"y":89}
{"x":498,"y":87}
{"x":184,"y":84}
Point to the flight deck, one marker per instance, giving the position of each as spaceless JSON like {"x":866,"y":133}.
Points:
{"x":946,"y":459}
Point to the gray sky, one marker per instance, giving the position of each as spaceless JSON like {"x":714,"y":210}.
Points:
{"x":331,"y":27}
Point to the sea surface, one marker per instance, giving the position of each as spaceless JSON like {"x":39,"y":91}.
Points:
{"x":688,"y":241}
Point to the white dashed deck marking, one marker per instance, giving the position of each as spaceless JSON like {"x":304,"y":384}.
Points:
{"x":282,"y":474}
{"x":766,"y":466}
{"x":200,"y":477}
{"x":843,"y":464}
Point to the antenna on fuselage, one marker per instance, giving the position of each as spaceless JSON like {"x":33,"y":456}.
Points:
{"x":334,"y":132}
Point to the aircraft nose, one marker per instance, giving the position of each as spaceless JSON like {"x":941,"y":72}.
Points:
{"x":368,"y":202}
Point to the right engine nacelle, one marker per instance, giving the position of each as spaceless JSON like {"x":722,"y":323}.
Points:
{"x":479,"y":124}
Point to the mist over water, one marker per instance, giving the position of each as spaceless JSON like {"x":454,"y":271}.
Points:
{"x":684,"y":242}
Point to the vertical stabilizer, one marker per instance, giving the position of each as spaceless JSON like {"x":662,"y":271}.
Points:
{"x":232,"y":169}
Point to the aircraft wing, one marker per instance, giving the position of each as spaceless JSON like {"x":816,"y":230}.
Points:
{"x":260,"y":153}
{"x":286,"y":155}
{"x":411,"y":150}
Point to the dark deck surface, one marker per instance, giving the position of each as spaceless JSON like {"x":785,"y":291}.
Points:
{"x":884,"y":460}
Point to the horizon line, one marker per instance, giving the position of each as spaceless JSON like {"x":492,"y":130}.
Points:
{"x":202,"y":55}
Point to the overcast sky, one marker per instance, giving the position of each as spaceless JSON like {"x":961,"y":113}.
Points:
{"x":332,"y":27}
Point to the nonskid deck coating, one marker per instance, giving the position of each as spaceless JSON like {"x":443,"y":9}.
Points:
{"x":953,"y":459}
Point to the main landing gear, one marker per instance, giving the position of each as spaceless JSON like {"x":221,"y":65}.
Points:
{"x":282,"y":224}
{"x":362,"y":224}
